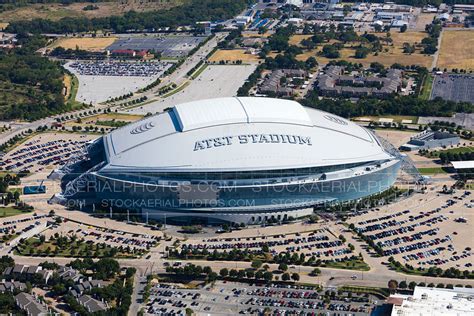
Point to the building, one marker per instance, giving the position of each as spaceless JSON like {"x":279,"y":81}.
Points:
{"x":464,"y":169}
{"x":92,"y":305}
{"x":434,"y":301}
{"x":273,"y":85}
{"x":7,"y":40}
{"x":335,"y":83}
{"x":30,"y":305}
{"x":468,"y":8}
{"x":429,"y":139}
{"x":243,"y":160}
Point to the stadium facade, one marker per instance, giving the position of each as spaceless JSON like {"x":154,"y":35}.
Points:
{"x":231,"y":159}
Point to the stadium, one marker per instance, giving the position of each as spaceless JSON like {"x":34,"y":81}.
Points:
{"x":244,"y":160}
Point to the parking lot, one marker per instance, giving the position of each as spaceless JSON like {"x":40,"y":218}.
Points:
{"x":168,"y":46}
{"x":453,"y":87}
{"x":319,"y":242}
{"x":232,"y":298}
{"x":121,"y":69}
{"x":214,"y":82}
{"x":430,"y":231}
{"x":111,"y":237}
{"x":44,"y":152}
{"x":100,"y":88}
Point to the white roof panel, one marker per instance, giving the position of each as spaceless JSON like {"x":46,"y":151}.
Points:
{"x":463,"y":164}
{"x":260,"y":110}
{"x":193,"y":115}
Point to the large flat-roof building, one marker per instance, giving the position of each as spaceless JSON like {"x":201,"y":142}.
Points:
{"x":434,"y":301}
{"x":234,"y":159}
{"x":430,"y":139}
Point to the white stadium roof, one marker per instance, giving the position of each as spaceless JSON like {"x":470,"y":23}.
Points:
{"x":238,"y":134}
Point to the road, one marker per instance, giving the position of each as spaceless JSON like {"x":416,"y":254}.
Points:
{"x":436,"y":54}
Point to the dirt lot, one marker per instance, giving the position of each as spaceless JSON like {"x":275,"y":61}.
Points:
{"x":67,"y":84}
{"x":233,"y":55}
{"x":456,"y":50}
{"x":3,"y":25}
{"x":95,"y":44}
{"x":423,"y":19}
{"x":58,"y":11}
{"x":393,"y":55}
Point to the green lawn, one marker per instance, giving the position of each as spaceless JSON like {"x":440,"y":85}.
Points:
{"x":71,"y":101}
{"x":199,"y":71}
{"x":426,"y":89}
{"x":112,"y":123}
{"x":434,"y":170}
{"x":10,"y":211}
{"x":349,"y":265}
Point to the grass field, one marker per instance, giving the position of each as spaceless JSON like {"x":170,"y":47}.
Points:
{"x":232,"y":56}
{"x":394,"y":53}
{"x":10,"y":211}
{"x":349,"y":264}
{"x":93,"y":44}
{"x":457,"y":50}
{"x":57,"y":11}
{"x":429,"y":171}
{"x":296,"y":39}
{"x":107,"y":119}
{"x":199,"y":71}
{"x":72,"y":92}
{"x":426,"y":89}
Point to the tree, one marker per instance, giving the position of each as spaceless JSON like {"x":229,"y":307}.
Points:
{"x":106,"y":268}
{"x":285,"y":277}
{"x":330,"y":51}
{"x":256,"y":264}
{"x":295,"y":276}
{"x":403,"y":285}
{"x":267,"y":276}
{"x":392,"y":285}
{"x":282,"y":267}
{"x":224,"y":272}
{"x":315,"y":272}
{"x":403,"y":29}
{"x":361,"y":52}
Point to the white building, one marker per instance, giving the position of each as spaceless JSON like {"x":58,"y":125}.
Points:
{"x":434,"y":301}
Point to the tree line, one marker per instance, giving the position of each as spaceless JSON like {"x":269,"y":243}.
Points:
{"x":392,"y":105}
{"x":187,"y":14}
